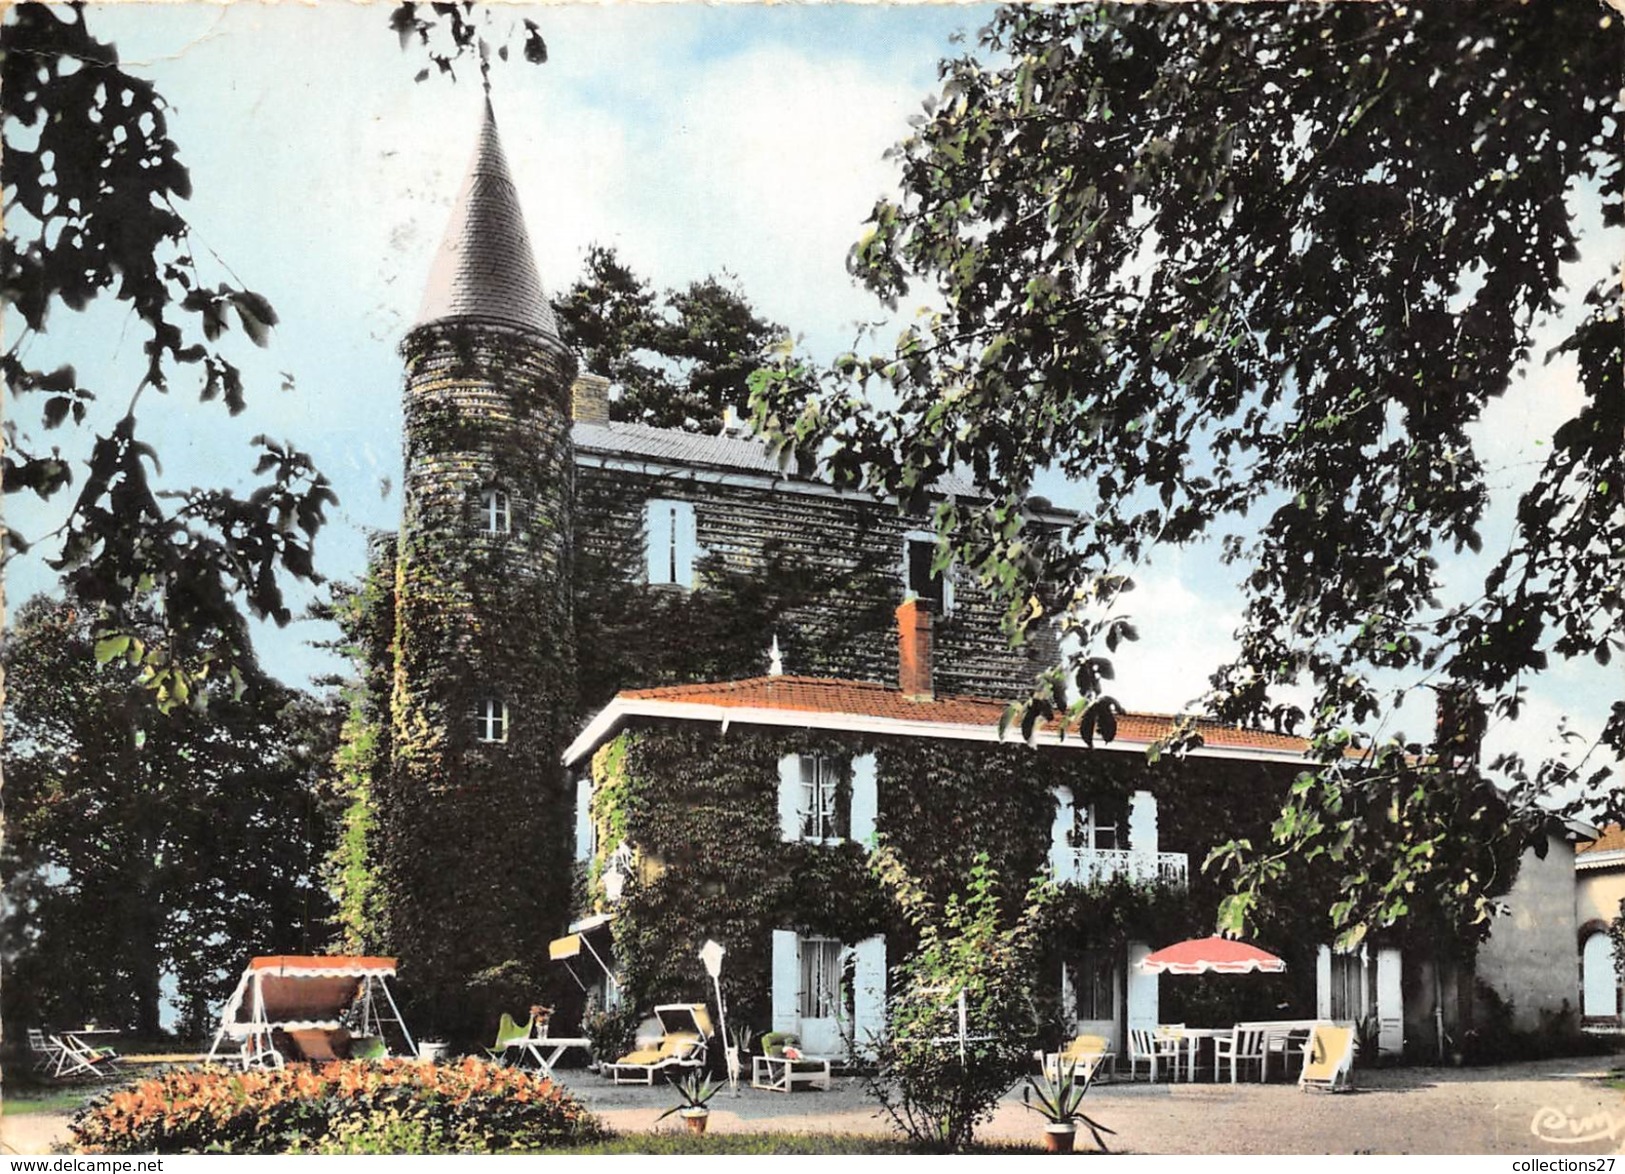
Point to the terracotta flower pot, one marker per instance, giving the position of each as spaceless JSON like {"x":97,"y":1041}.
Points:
{"x":696,"y":1119}
{"x":1058,"y":1138}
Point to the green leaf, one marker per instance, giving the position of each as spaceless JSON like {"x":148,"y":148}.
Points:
{"x":111,"y":647}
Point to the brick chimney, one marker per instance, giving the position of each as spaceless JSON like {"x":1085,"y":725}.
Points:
{"x":914,"y":650}
{"x":589,"y":399}
{"x":1458,"y":725}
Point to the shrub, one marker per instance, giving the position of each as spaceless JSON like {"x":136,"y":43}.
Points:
{"x":345,"y":1106}
{"x":939,"y":1077}
{"x":612,"y":1032}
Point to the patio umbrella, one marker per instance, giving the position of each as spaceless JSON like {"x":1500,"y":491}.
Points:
{"x":1216,"y":954}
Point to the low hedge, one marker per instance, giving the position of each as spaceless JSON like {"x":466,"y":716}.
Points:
{"x":341,"y":1107}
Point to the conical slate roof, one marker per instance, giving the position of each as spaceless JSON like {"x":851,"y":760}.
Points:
{"x":485,"y":270}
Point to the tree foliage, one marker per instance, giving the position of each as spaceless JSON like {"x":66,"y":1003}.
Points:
{"x":1254,"y":275}
{"x":93,"y":188}
{"x":142,"y":844}
{"x":451,"y":31}
{"x":960,"y":1020}
{"x":678,"y":359}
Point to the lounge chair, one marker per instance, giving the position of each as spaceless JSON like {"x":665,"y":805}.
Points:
{"x":1328,"y":1058}
{"x":685,"y":1032}
{"x":1086,"y":1055}
{"x":1244,"y":1045}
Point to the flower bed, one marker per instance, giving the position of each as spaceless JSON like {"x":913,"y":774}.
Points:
{"x":341,"y":1107}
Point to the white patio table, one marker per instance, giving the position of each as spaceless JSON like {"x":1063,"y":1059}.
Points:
{"x":545,"y":1050}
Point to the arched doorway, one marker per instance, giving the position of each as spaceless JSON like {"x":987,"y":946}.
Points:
{"x":1599,"y":981}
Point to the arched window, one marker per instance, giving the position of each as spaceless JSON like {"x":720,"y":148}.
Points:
{"x":1599,"y":981}
{"x":491,"y":721}
{"x":494,"y":514}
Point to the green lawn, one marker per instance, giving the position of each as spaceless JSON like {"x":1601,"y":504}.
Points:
{"x":21,"y":1099}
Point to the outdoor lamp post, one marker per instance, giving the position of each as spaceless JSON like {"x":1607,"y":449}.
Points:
{"x":711,"y":954}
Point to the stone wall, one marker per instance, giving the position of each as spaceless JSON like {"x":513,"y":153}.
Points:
{"x":853,"y":546}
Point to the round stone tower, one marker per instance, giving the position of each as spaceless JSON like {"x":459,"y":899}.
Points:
{"x":477,"y":823}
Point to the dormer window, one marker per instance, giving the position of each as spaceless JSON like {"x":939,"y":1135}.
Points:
{"x":491,"y":721}
{"x":495,"y":516}
{"x":919,"y":581}
{"x":669,"y":532}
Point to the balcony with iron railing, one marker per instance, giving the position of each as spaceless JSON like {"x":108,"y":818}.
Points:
{"x":1088,"y":866}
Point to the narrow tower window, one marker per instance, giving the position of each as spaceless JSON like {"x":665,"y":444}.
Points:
{"x":494,"y":511}
{"x":491,"y":721}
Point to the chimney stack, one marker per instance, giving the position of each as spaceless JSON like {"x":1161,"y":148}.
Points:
{"x":589,"y":399}
{"x":914,"y":650}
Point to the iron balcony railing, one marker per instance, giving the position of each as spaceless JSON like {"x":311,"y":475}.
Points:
{"x":1087,"y":866}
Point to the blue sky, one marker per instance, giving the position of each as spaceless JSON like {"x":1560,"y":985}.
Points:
{"x":694,"y":138}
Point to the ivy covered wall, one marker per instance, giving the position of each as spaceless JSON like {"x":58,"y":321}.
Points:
{"x":702,"y":810}
{"x":823,"y":572}
{"x":474,"y":835}
{"x":701,"y":807}
{"x":365,"y":615}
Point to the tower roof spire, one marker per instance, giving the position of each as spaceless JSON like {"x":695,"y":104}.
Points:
{"x":485,"y":270}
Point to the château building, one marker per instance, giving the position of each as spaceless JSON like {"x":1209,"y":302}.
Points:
{"x":648,"y":688}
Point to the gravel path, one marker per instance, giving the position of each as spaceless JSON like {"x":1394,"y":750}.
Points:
{"x":1400,"y":1110}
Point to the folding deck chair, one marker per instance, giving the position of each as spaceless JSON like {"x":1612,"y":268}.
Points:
{"x":76,"y":1058}
{"x":1328,"y":1058}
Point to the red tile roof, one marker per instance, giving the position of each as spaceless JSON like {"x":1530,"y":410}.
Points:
{"x":826,"y":695}
{"x":1611,"y":840}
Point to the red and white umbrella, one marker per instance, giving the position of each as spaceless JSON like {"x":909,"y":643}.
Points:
{"x":1215,"y":954}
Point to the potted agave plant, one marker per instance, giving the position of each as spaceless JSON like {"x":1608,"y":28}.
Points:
{"x":694,"y":1094}
{"x":1059,"y":1101}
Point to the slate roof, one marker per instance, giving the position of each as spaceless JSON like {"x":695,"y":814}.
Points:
{"x":485,"y":270}
{"x":824,"y":695}
{"x":741,"y":454}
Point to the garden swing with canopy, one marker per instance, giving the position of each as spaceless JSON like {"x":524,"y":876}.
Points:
{"x":291,"y":1007}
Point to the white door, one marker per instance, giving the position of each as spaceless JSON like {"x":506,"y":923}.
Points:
{"x":1601,"y":982}
{"x":868,"y":993}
